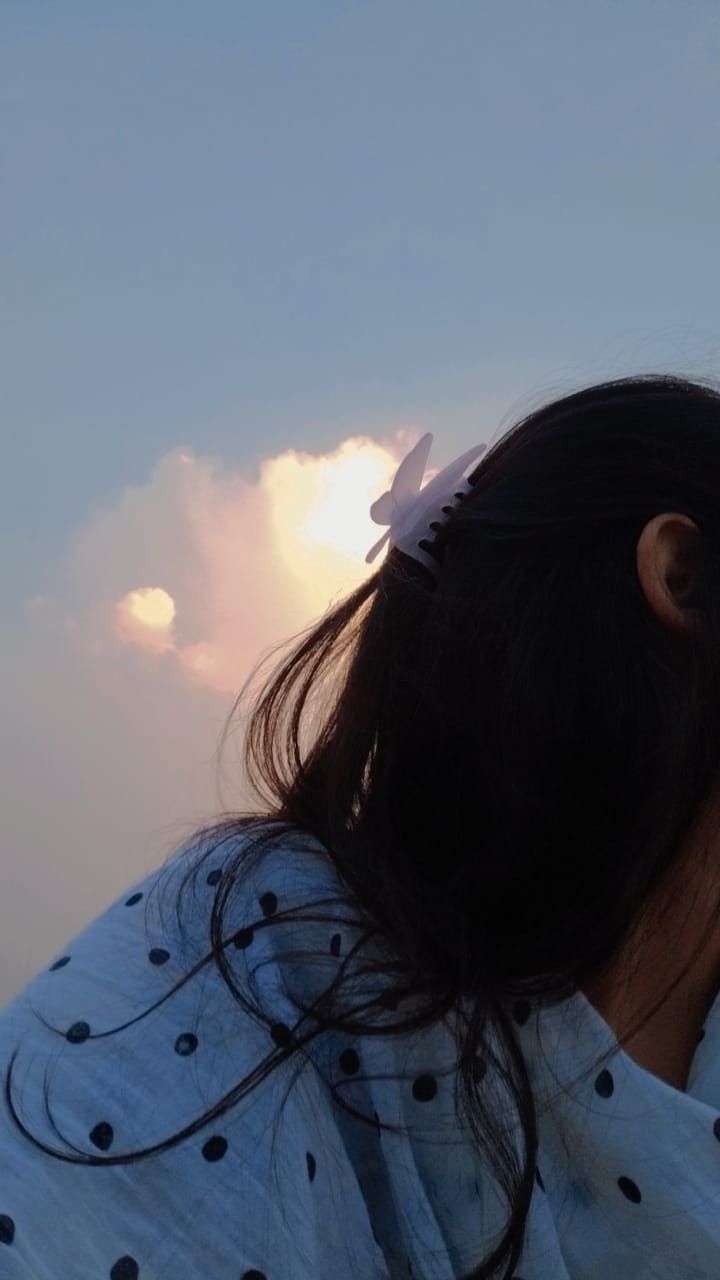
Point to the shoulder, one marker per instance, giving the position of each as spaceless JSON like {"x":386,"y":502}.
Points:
{"x":160,"y":924}
{"x":126,"y":1039}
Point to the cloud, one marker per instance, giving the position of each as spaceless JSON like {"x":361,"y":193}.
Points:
{"x":121,"y":675}
{"x":205,"y":569}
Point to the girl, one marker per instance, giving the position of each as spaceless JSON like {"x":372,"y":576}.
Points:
{"x":446,"y":1005}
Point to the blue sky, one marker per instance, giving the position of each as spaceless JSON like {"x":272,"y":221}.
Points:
{"x":249,"y":225}
{"x":242,"y":229}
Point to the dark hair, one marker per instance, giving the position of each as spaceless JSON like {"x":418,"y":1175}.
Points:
{"x":510,"y":757}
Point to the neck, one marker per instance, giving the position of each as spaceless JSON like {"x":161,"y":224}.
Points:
{"x":656,"y":952}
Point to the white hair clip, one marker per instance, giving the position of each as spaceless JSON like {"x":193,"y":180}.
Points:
{"x":410,"y":510}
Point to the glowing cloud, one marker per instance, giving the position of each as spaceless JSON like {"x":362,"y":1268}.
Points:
{"x":124,"y":671}
{"x":145,"y":616}
{"x":207,"y":570}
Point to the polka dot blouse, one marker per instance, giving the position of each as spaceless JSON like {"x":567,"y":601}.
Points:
{"x":285,"y":1184}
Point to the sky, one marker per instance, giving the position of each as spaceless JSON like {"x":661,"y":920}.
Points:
{"x":249,"y":254}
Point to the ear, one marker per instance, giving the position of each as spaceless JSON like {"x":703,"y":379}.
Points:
{"x":669,"y":567}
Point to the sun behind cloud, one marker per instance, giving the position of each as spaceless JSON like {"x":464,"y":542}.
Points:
{"x":330,"y":508}
{"x":321,"y":526}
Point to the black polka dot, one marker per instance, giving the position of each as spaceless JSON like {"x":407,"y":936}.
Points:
{"x":158,"y":955}
{"x":215,"y":1148}
{"x":60,"y":964}
{"x":539,"y":1180}
{"x":243,"y":938}
{"x":268,"y":904}
{"x":186,"y":1043}
{"x":311,"y":1166}
{"x":605,"y":1085}
{"x":253,"y":1275}
{"x":102,"y":1135}
{"x":349,"y":1062}
{"x":131,"y":903}
{"x":281,"y":1034}
{"x":716,"y":1128}
{"x":335,"y":944}
{"x":479,"y":1068}
{"x":125,"y":1268}
{"x":78,"y":1032}
{"x":424,"y":1088}
{"x":521,"y":1011}
{"x":7,"y":1229}
{"x":214,"y":876}
{"x":630,"y":1189}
